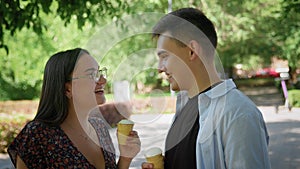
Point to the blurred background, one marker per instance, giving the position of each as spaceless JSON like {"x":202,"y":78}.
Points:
{"x":259,"y":46}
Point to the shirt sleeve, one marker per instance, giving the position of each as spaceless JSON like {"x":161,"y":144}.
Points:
{"x":245,"y":143}
{"x":24,"y":145}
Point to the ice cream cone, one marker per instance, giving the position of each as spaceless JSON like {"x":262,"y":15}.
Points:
{"x":154,"y":156}
{"x":124,"y":128}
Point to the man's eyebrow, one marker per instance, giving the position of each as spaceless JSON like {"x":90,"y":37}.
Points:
{"x":161,"y":52}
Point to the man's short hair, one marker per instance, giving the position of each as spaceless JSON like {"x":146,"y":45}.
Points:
{"x":188,"y":24}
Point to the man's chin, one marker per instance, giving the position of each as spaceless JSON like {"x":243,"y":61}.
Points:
{"x":101,"y":100}
{"x":175,"y":88}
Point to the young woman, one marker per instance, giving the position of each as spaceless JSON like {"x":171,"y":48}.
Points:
{"x":62,"y":135}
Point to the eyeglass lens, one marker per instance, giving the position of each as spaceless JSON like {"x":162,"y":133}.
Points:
{"x":101,"y":72}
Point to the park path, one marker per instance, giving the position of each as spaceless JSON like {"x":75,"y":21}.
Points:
{"x":264,"y":96}
{"x":283,"y":127}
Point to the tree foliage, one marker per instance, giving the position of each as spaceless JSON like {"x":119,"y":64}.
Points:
{"x":18,"y":14}
{"x":289,"y":34}
{"x":22,"y":69}
{"x":249,"y":32}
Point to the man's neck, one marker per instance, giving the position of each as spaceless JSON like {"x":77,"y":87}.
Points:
{"x":201,"y":87}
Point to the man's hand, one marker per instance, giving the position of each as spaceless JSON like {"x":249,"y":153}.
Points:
{"x":115,"y":112}
{"x":146,"y":165}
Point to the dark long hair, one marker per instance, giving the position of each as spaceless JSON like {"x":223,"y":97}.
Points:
{"x":53,"y":106}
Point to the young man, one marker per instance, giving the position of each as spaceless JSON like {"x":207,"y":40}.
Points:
{"x":218,"y":126}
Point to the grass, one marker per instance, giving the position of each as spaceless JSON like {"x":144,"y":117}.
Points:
{"x":294,"y":97}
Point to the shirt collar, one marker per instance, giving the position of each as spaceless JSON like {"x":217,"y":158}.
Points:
{"x":220,"y":89}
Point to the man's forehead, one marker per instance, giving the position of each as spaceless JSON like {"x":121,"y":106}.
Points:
{"x":163,"y":41}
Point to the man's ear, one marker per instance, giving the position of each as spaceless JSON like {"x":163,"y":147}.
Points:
{"x":68,"y":89}
{"x":195,"y":50}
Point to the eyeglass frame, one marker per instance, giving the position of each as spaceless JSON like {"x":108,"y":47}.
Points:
{"x":100,"y":73}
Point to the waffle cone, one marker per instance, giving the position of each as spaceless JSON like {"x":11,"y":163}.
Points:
{"x":123,"y":132}
{"x":157,"y":161}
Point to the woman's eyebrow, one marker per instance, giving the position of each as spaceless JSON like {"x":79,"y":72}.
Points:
{"x":90,"y":69}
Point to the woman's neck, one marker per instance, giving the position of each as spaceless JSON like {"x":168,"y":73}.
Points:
{"x":77,"y":119}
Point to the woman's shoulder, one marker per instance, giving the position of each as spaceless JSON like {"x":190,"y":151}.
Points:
{"x":35,"y":125}
{"x":37,"y":129}
{"x":33,"y":134}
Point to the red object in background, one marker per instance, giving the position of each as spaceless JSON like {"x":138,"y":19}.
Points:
{"x":267,"y":72}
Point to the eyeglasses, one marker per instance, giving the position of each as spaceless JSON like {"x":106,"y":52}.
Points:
{"x":95,"y":75}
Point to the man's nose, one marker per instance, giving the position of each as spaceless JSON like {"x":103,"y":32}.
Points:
{"x":161,"y":68}
{"x":102,"y":80}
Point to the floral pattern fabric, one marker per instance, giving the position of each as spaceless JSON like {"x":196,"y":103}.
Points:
{"x":43,"y":146}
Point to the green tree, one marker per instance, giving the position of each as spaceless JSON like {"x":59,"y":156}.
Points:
{"x":248,"y":31}
{"x":288,"y":36}
{"x":18,"y":14}
{"x":22,"y":68}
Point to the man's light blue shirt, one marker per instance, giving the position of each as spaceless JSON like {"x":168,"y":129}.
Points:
{"x":232,"y":130}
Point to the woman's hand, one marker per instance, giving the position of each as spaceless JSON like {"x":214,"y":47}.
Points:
{"x":129,"y":150}
{"x":132,"y":146}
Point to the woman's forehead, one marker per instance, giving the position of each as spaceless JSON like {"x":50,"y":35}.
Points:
{"x":86,"y":61}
